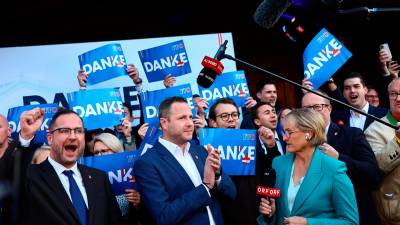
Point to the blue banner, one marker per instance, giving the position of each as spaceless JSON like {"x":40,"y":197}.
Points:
{"x":231,"y":84}
{"x":151,"y":137}
{"x":103,"y":63}
{"x":14,"y":115}
{"x":237,"y":147}
{"x":99,"y":108}
{"x":118,"y":166}
{"x":165,"y":59}
{"x":152,"y":99}
{"x":323,"y":56}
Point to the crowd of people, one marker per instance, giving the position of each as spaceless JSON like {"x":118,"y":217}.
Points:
{"x":333,"y":165}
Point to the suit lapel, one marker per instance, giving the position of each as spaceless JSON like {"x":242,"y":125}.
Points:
{"x":90,"y":192}
{"x":310,"y":182}
{"x":170,"y":160}
{"x":368,"y":120}
{"x":197,"y":160}
{"x":333,"y":131}
{"x":54,"y":183}
{"x":286,"y":181}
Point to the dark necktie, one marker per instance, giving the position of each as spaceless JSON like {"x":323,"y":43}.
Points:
{"x":77,"y":198}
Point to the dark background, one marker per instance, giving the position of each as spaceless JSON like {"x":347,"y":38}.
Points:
{"x":56,"y":22}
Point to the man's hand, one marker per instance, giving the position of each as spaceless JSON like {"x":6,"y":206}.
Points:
{"x":169,"y":81}
{"x":133,"y":197}
{"x":329,"y":150}
{"x":31,"y":121}
{"x":267,"y":136}
{"x":250,"y":102}
{"x":394,"y":69}
{"x":132,"y":72}
{"x":82,"y":78}
{"x":306,"y":83}
{"x":143,"y":130}
{"x":126,"y":128}
{"x":212,"y":165}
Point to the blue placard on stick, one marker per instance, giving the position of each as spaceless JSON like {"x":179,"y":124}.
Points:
{"x":238,"y":152}
{"x":166,"y":59}
{"x":323,"y":56}
{"x":103,"y":63}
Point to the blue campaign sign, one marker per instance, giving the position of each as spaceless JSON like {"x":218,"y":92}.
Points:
{"x":98,"y":108}
{"x":14,"y":114}
{"x":323,"y":56}
{"x":151,"y":137}
{"x":166,"y":59}
{"x":238,"y":152}
{"x":118,"y":166}
{"x":231,"y":84}
{"x":103,"y":63}
{"x":152,"y":99}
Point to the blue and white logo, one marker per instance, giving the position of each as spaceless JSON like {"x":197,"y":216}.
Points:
{"x":98,"y":108}
{"x":14,"y":115}
{"x":152,"y":99}
{"x":238,"y":152}
{"x":103,"y":63}
{"x":323,"y":56}
{"x":165,"y":59}
{"x":231,"y":84}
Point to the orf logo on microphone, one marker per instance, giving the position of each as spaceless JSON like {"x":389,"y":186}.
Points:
{"x":269,"y":192}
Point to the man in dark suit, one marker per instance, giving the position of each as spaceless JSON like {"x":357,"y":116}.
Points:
{"x":348,"y":144}
{"x":60,"y":191}
{"x":178,"y":181}
{"x":354,"y":91}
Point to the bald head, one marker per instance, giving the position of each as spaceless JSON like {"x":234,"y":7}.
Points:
{"x":319,"y":104}
{"x":5,"y":132}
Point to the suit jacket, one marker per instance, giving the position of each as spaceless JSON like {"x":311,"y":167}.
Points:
{"x":344,"y":115}
{"x":387,"y":152}
{"x":48,"y":202}
{"x":168,"y":192}
{"x":362,"y":168}
{"x":326,"y":195}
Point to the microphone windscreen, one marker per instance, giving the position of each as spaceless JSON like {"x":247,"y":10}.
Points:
{"x":206,"y":77}
{"x":269,"y":12}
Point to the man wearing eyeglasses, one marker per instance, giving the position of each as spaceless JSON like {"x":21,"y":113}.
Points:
{"x":224,"y":114}
{"x":60,"y":191}
{"x":349,"y":145}
{"x":385,"y":142}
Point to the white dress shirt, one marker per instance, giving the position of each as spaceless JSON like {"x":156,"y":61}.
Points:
{"x":64,"y":179}
{"x":186,"y":161}
{"x":358,"y":120}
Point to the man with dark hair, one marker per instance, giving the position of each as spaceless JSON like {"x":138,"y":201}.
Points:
{"x":224,"y":114}
{"x":354,"y":91}
{"x":349,"y":145}
{"x":61,"y":191}
{"x":177,"y":180}
{"x":266,"y":92}
{"x":269,"y":144}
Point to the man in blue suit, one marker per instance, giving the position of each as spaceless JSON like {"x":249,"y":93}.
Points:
{"x":180,"y":183}
{"x":349,"y":145}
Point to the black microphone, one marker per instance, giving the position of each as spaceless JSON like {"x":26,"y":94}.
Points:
{"x":266,"y":186}
{"x":212,"y":67}
{"x":269,"y":11}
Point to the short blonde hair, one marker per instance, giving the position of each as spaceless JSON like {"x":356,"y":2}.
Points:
{"x":309,"y":120}
{"x":110,"y":141}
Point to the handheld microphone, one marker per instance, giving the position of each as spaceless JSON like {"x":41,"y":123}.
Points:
{"x":269,"y":11}
{"x":265,"y":189}
{"x":212,"y":67}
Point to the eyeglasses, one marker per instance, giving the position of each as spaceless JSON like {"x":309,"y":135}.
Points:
{"x":102,"y":151}
{"x":393,"y":95}
{"x":372,"y":96}
{"x":225,"y":116}
{"x":67,"y":131}
{"x":288,"y":134}
{"x":317,"y":107}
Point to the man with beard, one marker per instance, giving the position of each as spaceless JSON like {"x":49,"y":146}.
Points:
{"x":60,"y":191}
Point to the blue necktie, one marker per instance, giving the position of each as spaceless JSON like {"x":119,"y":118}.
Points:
{"x":77,"y":198}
